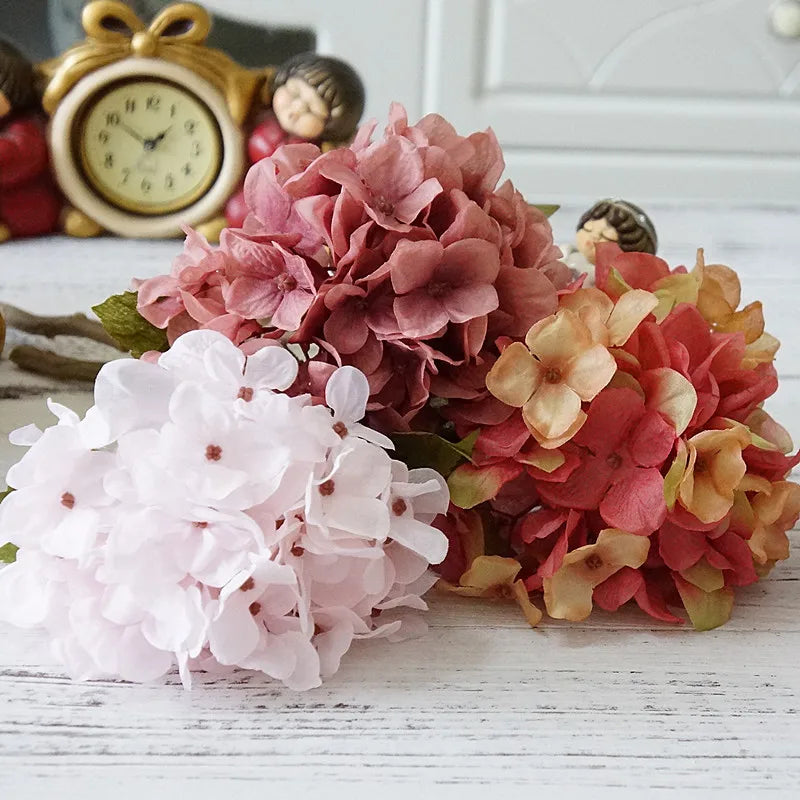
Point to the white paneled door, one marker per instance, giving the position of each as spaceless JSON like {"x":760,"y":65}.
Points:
{"x":653,"y":99}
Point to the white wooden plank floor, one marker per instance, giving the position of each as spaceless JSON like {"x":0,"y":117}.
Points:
{"x":616,"y":706}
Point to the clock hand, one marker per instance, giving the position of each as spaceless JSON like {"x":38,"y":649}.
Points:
{"x":151,"y":144}
{"x":132,"y":132}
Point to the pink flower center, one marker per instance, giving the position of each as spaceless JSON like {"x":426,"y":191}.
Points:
{"x":614,"y":461}
{"x":384,"y":205}
{"x":68,"y":500}
{"x":594,"y":561}
{"x":297,"y":551}
{"x":326,"y":489}
{"x":438,"y":288}
{"x":247,"y":585}
{"x":399,"y":507}
{"x":213,"y":452}
{"x":340,"y":429}
{"x":255,"y":609}
{"x":245,"y":393}
{"x":286,"y":283}
{"x":552,"y":375}
{"x":201,"y":525}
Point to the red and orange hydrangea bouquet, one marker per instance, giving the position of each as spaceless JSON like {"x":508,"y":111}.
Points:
{"x":600,"y":444}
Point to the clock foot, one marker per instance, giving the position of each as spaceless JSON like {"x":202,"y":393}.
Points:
{"x":212,"y":228}
{"x":76,"y":223}
{"x":5,"y":233}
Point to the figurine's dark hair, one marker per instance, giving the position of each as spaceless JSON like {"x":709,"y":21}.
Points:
{"x":336,"y":82}
{"x":635,"y":229}
{"x":16,"y":77}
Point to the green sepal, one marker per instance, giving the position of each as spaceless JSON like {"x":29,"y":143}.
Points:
{"x":128,"y":327}
{"x":8,"y":553}
{"x":547,"y":210}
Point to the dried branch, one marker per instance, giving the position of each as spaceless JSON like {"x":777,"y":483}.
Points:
{"x":46,"y":362}
{"x":69,"y":325}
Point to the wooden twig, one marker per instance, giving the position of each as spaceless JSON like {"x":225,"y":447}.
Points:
{"x":69,"y":325}
{"x":53,"y":365}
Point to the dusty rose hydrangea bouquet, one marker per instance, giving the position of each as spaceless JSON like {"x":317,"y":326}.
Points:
{"x":388,"y":379}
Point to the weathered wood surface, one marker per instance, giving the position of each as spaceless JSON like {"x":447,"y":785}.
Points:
{"x":616,"y":706}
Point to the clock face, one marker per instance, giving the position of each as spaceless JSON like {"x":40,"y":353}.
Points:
{"x":148,"y":146}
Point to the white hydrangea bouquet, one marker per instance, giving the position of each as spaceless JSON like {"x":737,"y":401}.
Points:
{"x":199,"y":517}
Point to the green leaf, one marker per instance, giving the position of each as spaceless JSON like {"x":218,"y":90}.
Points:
{"x":8,"y":553}
{"x":547,"y":210}
{"x":5,"y":494}
{"x":430,"y":450}
{"x":128,"y":327}
{"x":707,"y":610}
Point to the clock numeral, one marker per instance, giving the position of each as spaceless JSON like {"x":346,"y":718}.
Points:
{"x":112,"y":118}
{"x":146,"y":186}
{"x":126,"y":173}
{"x":153,"y":102}
{"x":189,"y":126}
{"x":108,"y":163}
{"x":173,"y":110}
{"x":103,"y":137}
{"x":187,"y":168}
{"x":130,"y":105}
{"x":169,"y":181}
{"x":196,"y":149}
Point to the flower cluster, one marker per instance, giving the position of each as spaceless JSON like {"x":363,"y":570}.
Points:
{"x":200,"y":517}
{"x":630,"y":458}
{"x":601,"y":445}
{"x":399,"y":256}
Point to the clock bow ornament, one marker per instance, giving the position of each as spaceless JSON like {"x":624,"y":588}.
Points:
{"x":177,"y":34}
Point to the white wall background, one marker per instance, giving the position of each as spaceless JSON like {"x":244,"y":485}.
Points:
{"x":671,"y":100}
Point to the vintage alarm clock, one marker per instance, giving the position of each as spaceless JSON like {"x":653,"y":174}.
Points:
{"x":145,"y":122}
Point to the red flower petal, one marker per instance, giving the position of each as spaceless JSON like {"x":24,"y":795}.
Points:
{"x":680,"y":548}
{"x":611,"y":416}
{"x":635,"y":501}
{"x":651,"y":441}
{"x":618,"y":589}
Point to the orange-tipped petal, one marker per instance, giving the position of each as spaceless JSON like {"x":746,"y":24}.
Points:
{"x":568,"y":593}
{"x":589,"y":372}
{"x":761,"y":351}
{"x":488,"y":573}
{"x":762,"y":424}
{"x":628,"y":313}
{"x":559,"y":337}
{"x":551,"y":411}
{"x":671,"y":394}
{"x":749,"y":322}
{"x":515,"y":376}
{"x":675,"y":289}
{"x":556,"y":442}
{"x":593,"y":308}
{"x":531,"y":612}
{"x":545,"y":460}
{"x":726,"y":283}
{"x":622,"y":548}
